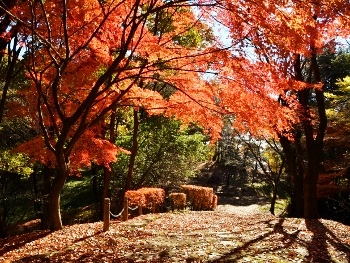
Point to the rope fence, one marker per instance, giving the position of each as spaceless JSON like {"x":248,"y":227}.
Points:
{"x":118,"y":215}
{"x":124,"y":214}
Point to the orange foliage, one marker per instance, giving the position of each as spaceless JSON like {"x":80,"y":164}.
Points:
{"x":87,"y":150}
{"x":95,"y":56}
{"x":201,"y":198}
{"x":178,"y":200}
{"x":37,"y":151}
{"x":146,"y":197}
{"x":258,"y":65}
{"x":135,"y":198}
{"x":153,"y":196}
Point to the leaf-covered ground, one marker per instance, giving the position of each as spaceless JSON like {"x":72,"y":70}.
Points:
{"x":216,"y":236}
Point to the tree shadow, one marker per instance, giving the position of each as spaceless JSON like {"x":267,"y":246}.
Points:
{"x":316,"y":250}
{"x":243,"y":200}
{"x":322,"y":238}
{"x":50,"y":255}
{"x":15,"y":242}
{"x":237,"y":254}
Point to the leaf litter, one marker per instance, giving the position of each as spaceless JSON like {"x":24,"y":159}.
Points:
{"x":189,"y":236}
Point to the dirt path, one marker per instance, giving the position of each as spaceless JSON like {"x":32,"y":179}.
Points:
{"x":242,"y":205}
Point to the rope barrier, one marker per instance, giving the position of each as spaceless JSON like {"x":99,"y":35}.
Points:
{"x":118,"y":215}
{"x":121,"y":212}
{"x":133,"y":208}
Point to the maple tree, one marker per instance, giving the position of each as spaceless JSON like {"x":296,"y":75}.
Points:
{"x":85,"y":58}
{"x":270,"y":78}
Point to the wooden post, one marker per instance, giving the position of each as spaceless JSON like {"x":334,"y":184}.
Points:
{"x":106,"y":216}
{"x":140,"y":210}
{"x":126,"y":209}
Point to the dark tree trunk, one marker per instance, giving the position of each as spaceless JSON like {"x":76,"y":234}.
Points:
{"x":12,"y":58}
{"x":107,"y":173}
{"x":95,"y":188}
{"x":55,"y":191}
{"x":3,"y":232}
{"x":273,"y":199}
{"x":295,"y":173}
{"x":45,"y":191}
{"x":311,"y":172}
{"x":54,"y":202}
{"x":3,"y":223}
{"x":314,"y":144}
{"x":37,"y":203}
{"x":133,"y":152}
{"x":275,"y":184}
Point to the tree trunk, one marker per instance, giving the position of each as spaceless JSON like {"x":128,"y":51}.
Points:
{"x":311,"y":177}
{"x":297,"y":198}
{"x":311,"y":174}
{"x":55,"y":191}
{"x":107,"y":173}
{"x":12,"y":54}
{"x":310,"y":197}
{"x":3,"y":232}
{"x":45,"y":192}
{"x":37,"y":203}
{"x":273,"y":199}
{"x":295,"y":172}
{"x":314,"y":144}
{"x":54,"y":210}
{"x":275,"y":184}
{"x":133,"y":151}
{"x":3,"y":216}
{"x":95,"y":188}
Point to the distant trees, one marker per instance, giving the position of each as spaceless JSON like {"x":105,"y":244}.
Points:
{"x":166,"y":153}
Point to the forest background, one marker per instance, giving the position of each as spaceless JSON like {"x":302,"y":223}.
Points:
{"x":120,"y":95}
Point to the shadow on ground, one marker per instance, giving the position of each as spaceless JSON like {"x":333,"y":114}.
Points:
{"x":20,"y":241}
{"x":243,"y":200}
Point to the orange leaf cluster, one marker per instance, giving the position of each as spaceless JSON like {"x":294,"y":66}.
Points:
{"x":37,"y":152}
{"x":89,"y":149}
{"x":201,"y":198}
{"x":146,"y":197}
{"x":178,"y":200}
{"x":135,"y":198}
